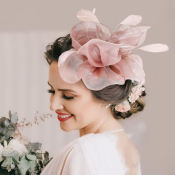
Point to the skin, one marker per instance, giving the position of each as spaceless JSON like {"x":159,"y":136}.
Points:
{"x":89,"y":114}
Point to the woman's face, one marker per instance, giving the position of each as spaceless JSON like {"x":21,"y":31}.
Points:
{"x":88,"y":112}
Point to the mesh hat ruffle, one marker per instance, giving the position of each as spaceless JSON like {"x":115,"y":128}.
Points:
{"x":100,"y":57}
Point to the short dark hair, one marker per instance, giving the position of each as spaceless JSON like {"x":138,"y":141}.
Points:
{"x":113,"y":94}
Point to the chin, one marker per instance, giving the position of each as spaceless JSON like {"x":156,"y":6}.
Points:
{"x":66,"y":129}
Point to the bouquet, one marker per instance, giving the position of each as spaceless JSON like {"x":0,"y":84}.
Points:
{"x":19,"y":156}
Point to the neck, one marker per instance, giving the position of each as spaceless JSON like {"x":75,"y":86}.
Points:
{"x":106,"y":123}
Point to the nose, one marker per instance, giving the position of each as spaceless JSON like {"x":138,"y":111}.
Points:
{"x":55,"y":103}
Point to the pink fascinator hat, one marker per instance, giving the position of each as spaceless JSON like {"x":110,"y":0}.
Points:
{"x":100,"y":57}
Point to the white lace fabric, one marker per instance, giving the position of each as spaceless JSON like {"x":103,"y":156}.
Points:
{"x":91,"y":154}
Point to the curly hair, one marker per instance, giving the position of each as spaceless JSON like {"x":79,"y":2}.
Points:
{"x":113,"y":94}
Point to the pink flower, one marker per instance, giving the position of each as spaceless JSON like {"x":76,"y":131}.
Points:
{"x":136,"y":91}
{"x":123,"y":107}
{"x":101,"y":58}
{"x":99,"y":64}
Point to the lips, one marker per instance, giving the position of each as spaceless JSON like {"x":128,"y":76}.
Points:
{"x":60,"y":115}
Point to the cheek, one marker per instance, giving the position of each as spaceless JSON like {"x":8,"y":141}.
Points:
{"x":83,"y":110}
{"x":50,"y":98}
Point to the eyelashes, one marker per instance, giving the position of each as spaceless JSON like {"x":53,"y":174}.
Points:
{"x":64,"y":96}
{"x":50,"y":91}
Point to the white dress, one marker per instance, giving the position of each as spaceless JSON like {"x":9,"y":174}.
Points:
{"x":90,"y":154}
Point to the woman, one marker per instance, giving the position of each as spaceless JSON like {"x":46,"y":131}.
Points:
{"x":95,"y":80}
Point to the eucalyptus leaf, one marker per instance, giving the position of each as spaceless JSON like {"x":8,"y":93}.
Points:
{"x":7,"y":154}
{"x":46,"y":155}
{"x":31,"y":157}
{"x":10,"y":114}
{"x":1,"y":130}
{"x":16,"y":171}
{"x":8,"y":164}
{"x":16,"y":158}
{"x":2,"y":138}
{"x":14,"y":155}
{"x":2,"y":121}
{"x":7,"y":123}
{"x":39,"y":155}
{"x":23,"y":166}
{"x":14,"y":118}
{"x":6,"y":129}
{"x":33,"y":146}
{"x":33,"y":165}
{"x":10,"y":130}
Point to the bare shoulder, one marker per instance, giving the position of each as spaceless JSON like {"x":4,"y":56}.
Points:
{"x":129,"y":152}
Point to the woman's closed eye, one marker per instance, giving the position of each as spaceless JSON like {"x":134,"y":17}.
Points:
{"x":51,"y":91}
{"x":64,"y":96}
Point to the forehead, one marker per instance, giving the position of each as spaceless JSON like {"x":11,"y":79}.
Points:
{"x":56,"y":81}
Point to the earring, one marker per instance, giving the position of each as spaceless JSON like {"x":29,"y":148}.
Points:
{"x":108,"y":105}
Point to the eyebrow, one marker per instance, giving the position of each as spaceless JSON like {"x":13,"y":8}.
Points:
{"x":62,"y":89}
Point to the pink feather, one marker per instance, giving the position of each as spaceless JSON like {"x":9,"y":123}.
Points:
{"x":155,"y":48}
{"x":87,"y":15}
{"x":132,"y":20}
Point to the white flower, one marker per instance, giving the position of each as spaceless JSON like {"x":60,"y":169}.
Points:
{"x":15,"y":145}
{"x":136,"y":91}
{"x":1,"y":150}
{"x":5,"y":143}
{"x":123,"y":107}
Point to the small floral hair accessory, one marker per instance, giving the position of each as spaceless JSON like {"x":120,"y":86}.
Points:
{"x":100,"y":57}
{"x":135,"y":93}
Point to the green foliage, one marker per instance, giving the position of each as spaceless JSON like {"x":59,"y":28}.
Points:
{"x":30,"y":163}
{"x":8,"y":127}
{"x":32,"y":147}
